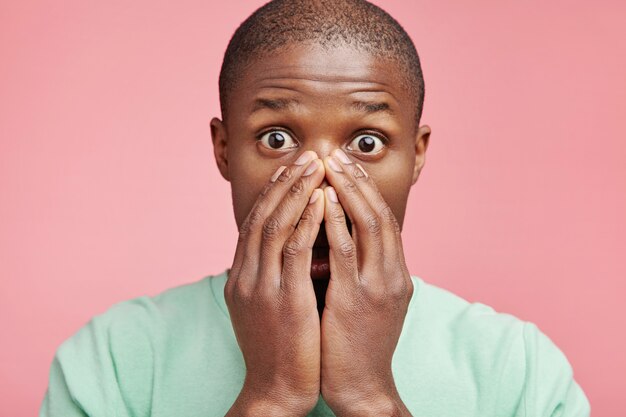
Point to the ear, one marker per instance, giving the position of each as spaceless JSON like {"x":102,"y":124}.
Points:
{"x":220,"y":146}
{"x":422,"y":138}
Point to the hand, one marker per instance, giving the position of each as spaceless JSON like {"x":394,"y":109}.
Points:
{"x":367,"y":296}
{"x":270,"y":295}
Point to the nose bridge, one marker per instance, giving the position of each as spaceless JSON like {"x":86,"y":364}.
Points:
{"x":322,"y":135}
{"x":322,"y":146}
{"x":323,"y":126}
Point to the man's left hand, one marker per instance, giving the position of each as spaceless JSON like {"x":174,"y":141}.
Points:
{"x":367,"y":296}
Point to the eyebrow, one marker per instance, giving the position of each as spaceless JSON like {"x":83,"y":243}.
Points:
{"x":371,"y":106}
{"x":278,"y":104}
{"x":281,"y":104}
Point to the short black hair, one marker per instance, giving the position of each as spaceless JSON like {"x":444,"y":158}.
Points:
{"x":356,"y":23}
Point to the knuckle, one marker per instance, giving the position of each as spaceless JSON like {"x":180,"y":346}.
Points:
{"x":337,"y":217}
{"x":348,"y":185}
{"x":373,"y":224}
{"x":410,"y":288}
{"x":292,"y":248}
{"x":307,"y":216}
{"x":398,"y":292}
{"x":228,"y":290}
{"x":357,"y":173}
{"x":297,"y":188}
{"x":401,"y":289}
{"x":347,"y":250}
{"x":241,"y":292}
{"x":271,"y":228}
{"x":387,"y":214}
{"x":244,"y":229}
{"x":253,"y":219}
{"x":243,"y":233}
{"x":374,"y":294}
{"x":266,"y":189}
{"x":285,"y":175}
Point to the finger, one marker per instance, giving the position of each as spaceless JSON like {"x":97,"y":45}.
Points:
{"x":282,"y":221}
{"x":390,"y":229}
{"x":298,"y":249}
{"x":365,"y":221}
{"x":245,"y":249}
{"x":342,"y":250}
{"x":251,"y":230}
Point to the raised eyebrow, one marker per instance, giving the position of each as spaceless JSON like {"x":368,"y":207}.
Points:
{"x":277,"y":104}
{"x":372,"y":106}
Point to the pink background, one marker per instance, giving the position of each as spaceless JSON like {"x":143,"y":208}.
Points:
{"x":109,"y":189}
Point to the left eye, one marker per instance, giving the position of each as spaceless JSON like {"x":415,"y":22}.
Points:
{"x":366,"y":144}
{"x":277,"y":139}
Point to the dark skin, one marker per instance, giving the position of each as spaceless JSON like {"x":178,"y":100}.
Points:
{"x":347,"y":145}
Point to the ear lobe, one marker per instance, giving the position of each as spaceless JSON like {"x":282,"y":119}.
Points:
{"x":220,"y":146}
{"x":422,"y":138}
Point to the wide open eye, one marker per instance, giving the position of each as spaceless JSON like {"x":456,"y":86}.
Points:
{"x":367,"y":143}
{"x":277,"y":139}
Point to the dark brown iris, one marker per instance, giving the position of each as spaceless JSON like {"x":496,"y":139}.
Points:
{"x":367,"y":144}
{"x":276,"y":140}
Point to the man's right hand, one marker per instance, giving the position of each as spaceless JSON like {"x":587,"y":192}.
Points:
{"x":270,"y":296}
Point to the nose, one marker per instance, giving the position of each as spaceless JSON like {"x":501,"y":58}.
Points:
{"x":323,"y":148}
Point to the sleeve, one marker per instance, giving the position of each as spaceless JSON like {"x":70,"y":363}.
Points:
{"x":549,"y":387}
{"x":58,"y":399}
{"x":105,"y":369}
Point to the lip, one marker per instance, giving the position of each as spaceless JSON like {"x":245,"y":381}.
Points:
{"x":320,"y":268}
{"x":320,"y":264}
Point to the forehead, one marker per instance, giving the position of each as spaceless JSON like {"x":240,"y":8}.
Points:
{"x":313,"y":75}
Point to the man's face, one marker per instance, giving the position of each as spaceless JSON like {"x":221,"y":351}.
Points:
{"x":306,"y":97}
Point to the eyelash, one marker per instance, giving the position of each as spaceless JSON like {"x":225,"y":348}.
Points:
{"x":275,"y":129}
{"x":375,"y":133}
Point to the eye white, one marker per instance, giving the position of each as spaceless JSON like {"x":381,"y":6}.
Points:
{"x":367,"y":144}
{"x":277,"y":139}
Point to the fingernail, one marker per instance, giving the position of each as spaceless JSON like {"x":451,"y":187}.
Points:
{"x":311,"y":168}
{"x":334,"y":165}
{"x":277,"y":173}
{"x":332,"y":194}
{"x":341,"y":155}
{"x":315,"y":195}
{"x":304,"y":158}
{"x":362,"y":170}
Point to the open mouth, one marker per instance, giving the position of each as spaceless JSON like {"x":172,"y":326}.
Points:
{"x":320,"y":263}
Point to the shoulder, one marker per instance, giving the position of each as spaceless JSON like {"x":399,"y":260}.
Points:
{"x":146,"y":315}
{"x":503,"y":355}
{"x":111,"y":359}
{"x":438,"y":309}
{"x":466,"y":334}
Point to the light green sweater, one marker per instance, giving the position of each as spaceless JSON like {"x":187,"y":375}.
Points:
{"x":175,"y":355}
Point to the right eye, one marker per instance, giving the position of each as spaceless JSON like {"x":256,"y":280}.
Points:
{"x":277,"y":139}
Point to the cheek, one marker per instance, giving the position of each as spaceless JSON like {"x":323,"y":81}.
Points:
{"x":249,"y":174}
{"x":396,"y":196}
{"x":246,"y":187}
{"x":242,"y":203}
{"x":394,"y":186}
